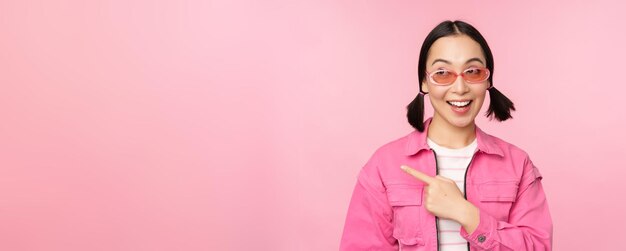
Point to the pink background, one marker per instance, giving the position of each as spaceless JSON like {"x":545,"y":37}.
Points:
{"x":241,"y":125}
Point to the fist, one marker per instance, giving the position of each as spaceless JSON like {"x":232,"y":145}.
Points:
{"x":442,"y":197}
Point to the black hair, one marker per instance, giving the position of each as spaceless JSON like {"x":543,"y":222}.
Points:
{"x":500,"y":106}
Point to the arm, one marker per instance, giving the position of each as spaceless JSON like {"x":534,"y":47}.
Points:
{"x":368,"y":222}
{"x":529,"y":226}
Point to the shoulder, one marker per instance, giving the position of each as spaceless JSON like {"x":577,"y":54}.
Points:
{"x":370,"y":175}
{"x":517,"y":158}
{"x":509,"y":149}
{"x":521,"y":160}
{"x":390,"y":151}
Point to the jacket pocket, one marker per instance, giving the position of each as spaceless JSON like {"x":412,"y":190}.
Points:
{"x":406,"y":202}
{"x":497,"y":197}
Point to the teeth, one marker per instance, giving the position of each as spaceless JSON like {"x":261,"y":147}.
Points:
{"x":460,"y":104}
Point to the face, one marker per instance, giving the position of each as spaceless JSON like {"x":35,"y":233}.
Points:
{"x":455,"y":53}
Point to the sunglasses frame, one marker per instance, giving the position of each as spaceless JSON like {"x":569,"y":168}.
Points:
{"x":456,"y":75}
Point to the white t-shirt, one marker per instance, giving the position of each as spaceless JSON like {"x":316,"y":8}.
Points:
{"x":452,"y":164}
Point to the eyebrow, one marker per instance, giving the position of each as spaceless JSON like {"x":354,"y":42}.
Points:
{"x":448,"y":62}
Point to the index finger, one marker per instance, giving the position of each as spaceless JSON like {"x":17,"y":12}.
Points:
{"x":417,"y":174}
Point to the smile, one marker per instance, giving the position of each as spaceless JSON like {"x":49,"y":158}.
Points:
{"x":459,"y":103}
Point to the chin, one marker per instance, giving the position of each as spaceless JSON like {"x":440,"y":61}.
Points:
{"x":461,"y":122}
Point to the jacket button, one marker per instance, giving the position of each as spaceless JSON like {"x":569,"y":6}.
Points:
{"x":481,"y":238}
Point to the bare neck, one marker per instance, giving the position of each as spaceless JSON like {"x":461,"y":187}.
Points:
{"x":448,"y":135}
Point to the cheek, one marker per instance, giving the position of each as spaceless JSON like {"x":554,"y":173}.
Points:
{"x":437,"y":100}
{"x":480,"y":99}
{"x":437,"y":95}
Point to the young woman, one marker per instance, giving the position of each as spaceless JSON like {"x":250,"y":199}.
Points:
{"x":448,"y":185}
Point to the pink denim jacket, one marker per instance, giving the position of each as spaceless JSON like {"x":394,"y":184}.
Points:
{"x":386,"y":211}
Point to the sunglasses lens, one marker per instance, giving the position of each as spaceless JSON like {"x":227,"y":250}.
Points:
{"x":476,"y":74}
{"x":443,"y":77}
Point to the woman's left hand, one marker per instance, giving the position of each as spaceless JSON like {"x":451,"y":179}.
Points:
{"x":443,"y":198}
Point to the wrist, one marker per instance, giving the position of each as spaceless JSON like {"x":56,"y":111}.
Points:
{"x":469,"y":217}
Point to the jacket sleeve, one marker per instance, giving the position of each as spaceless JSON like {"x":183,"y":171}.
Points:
{"x":368,"y":222}
{"x":529,"y":226}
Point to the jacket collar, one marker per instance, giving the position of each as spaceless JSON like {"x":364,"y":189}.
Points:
{"x":417,"y":141}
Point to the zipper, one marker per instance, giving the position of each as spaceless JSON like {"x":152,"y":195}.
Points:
{"x":465,"y":186}
{"x":464,"y":192}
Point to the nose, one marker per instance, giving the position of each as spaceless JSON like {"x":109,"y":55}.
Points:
{"x":460,"y":86}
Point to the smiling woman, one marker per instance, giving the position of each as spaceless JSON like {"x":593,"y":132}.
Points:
{"x":448,"y":185}
{"x":445,"y":49}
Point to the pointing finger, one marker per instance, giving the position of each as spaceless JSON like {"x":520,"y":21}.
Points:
{"x":417,"y":174}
